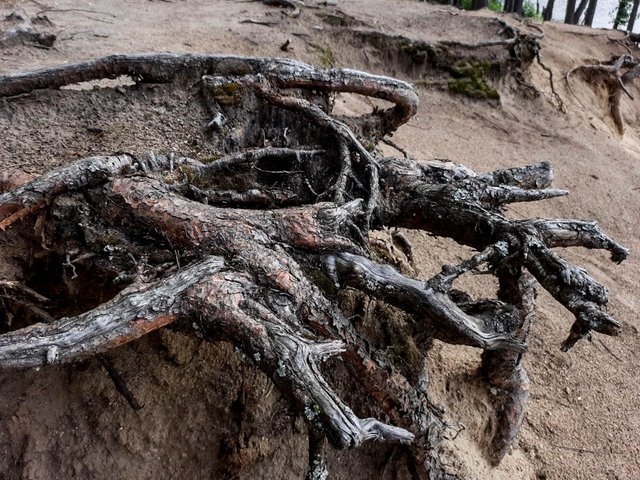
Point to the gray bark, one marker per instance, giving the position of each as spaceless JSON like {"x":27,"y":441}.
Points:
{"x":266,"y":258}
{"x":633,"y":16}
{"x":591,"y":10}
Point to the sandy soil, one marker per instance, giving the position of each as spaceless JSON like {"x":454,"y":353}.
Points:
{"x":208,"y":414}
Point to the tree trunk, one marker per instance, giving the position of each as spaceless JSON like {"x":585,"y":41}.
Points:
{"x":579,"y":11}
{"x":478,"y":4}
{"x":547,"y":13}
{"x":256,"y":244}
{"x":570,"y":11}
{"x":633,"y":16}
{"x":591,"y":10}
{"x":513,"y":6}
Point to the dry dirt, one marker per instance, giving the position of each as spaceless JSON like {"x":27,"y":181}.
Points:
{"x":209,"y":414}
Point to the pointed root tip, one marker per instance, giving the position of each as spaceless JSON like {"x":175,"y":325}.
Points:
{"x":590,"y":320}
{"x":619,"y":254}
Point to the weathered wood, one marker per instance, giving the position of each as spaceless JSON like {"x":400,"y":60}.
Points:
{"x":264,"y":257}
{"x":168,"y":67}
{"x":418,"y":298}
{"x":134,"y":312}
{"x":505,"y":369}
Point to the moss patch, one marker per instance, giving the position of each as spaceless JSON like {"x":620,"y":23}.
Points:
{"x":209,"y":158}
{"x":420,"y":53}
{"x":470,"y":80}
{"x":322,"y":281}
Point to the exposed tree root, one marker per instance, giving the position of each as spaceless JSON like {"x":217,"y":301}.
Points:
{"x":558,"y":100}
{"x":119,"y":382}
{"x":253,"y":246}
{"x":616,"y":74}
{"x":468,"y":68}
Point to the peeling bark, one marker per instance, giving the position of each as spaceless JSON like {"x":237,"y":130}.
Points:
{"x":252,"y":247}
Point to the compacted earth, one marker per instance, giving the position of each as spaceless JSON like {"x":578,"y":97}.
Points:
{"x":208,"y":413}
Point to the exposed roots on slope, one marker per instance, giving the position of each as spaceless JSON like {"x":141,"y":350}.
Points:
{"x":470,"y":69}
{"x":252,"y":246}
{"x":615,"y":74}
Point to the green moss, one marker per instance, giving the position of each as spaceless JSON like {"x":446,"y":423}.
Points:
{"x":322,"y":281}
{"x":422,"y":53}
{"x":418,"y":52}
{"x":209,"y":158}
{"x":475,"y":69}
{"x":474,"y":88}
{"x":470,"y":80}
{"x":187,"y":171}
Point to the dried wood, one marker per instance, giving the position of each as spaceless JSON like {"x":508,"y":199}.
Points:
{"x":265,"y":257}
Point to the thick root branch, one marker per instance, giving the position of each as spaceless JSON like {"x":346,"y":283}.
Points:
{"x":384,"y":282}
{"x":252,"y":245}
{"x":133,"y":313}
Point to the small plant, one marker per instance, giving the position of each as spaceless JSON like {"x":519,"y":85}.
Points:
{"x":495,"y":5}
{"x":470,"y":80}
{"x":327,"y":60}
{"x":529,"y":10}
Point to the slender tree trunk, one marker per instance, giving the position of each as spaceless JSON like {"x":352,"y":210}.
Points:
{"x":579,"y":11}
{"x":547,"y":12}
{"x":513,"y":6}
{"x":632,"y":17}
{"x":591,"y":10}
{"x":571,"y":7}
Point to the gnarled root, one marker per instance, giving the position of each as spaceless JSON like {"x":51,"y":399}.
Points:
{"x":252,"y":247}
{"x":616,"y":74}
